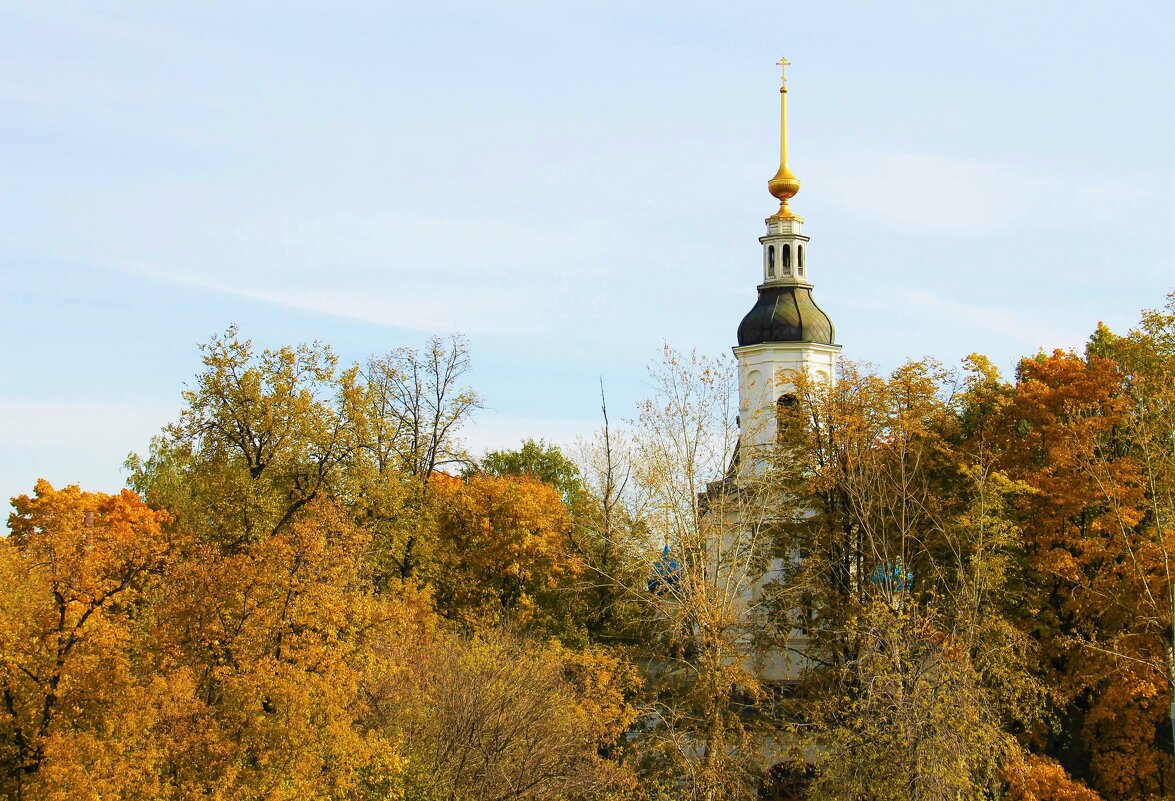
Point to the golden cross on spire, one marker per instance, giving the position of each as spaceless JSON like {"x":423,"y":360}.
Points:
{"x":783,"y":65}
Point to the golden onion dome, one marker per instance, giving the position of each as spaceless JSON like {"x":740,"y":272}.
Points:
{"x":784,"y":185}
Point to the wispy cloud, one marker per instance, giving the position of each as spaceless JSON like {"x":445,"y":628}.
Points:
{"x":930,"y":193}
{"x":420,"y":272}
{"x":471,"y":308}
{"x":960,"y":322}
{"x":71,"y":442}
{"x":1032,"y":329}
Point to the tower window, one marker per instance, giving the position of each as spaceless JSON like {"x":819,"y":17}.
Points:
{"x":787,"y":259}
{"x":771,"y":261}
{"x":800,"y":259}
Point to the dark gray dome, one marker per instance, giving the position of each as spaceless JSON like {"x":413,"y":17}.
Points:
{"x":785,"y":313}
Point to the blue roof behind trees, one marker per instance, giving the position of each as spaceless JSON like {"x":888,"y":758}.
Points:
{"x":665,"y":573}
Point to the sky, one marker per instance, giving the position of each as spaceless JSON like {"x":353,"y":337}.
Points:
{"x":568,"y":184}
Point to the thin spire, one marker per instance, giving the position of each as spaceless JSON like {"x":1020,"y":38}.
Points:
{"x":784,"y":185}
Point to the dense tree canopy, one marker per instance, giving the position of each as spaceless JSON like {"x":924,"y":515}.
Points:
{"x":313,"y":592}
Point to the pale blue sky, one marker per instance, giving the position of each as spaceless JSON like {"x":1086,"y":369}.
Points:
{"x":567,"y":183}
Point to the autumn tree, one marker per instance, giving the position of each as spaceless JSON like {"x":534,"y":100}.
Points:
{"x":605,"y":537}
{"x":73,"y":573}
{"x":702,"y":593}
{"x":264,"y":433}
{"x":419,"y":404}
{"x":611,"y":536}
{"x":274,"y":643}
{"x":1092,"y":436}
{"x":495,"y":717}
{"x":1037,"y":778}
{"x":898,"y":564}
{"x":247,"y":641}
{"x":260,"y":436}
{"x":503,"y":549}
{"x":415,"y":403}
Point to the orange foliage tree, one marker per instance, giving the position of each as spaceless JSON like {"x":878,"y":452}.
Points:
{"x":143,"y":663}
{"x":1037,"y":778}
{"x":272,"y":644}
{"x":72,"y":577}
{"x":1092,"y":437}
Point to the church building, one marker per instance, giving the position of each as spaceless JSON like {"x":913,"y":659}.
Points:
{"x":785,"y":333}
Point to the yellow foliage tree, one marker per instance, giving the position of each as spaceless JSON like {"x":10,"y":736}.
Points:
{"x":504,"y":548}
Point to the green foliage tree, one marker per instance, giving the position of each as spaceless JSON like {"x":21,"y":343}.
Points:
{"x":539,"y":459}
{"x":260,"y":436}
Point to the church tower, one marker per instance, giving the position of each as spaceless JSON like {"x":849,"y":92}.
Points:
{"x":785,"y":333}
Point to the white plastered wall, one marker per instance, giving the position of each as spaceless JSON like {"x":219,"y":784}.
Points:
{"x":766,"y":373}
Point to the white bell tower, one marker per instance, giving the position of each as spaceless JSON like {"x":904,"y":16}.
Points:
{"x":785,"y":333}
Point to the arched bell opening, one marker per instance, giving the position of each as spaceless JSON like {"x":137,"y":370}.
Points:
{"x":785,"y":409}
